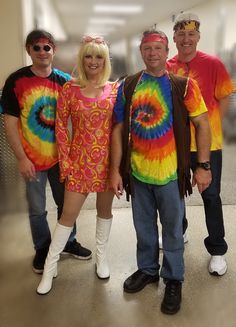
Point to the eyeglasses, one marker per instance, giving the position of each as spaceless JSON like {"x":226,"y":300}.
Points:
{"x":37,"y":48}
{"x":98,"y":39}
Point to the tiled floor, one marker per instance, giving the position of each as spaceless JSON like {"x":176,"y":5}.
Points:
{"x":80,"y":299}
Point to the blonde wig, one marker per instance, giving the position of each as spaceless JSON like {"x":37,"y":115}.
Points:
{"x":90,"y":46}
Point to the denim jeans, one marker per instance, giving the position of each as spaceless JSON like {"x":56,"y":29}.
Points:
{"x":215,"y":242}
{"x":36,"y":198}
{"x":147,"y":202}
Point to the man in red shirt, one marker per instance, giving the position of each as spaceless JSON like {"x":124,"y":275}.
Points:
{"x":216,"y":86}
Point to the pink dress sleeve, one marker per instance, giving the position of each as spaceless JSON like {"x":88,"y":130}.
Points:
{"x":62,"y":131}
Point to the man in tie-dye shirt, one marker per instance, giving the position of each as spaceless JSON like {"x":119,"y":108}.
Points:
{"x":154,"y":166}
{"x":216,"y":86}
{"x":29,"y":100}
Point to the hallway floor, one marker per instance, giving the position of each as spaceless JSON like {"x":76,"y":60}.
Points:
{"x":80,"y":299}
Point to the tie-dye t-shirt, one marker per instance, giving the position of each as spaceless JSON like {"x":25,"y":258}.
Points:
{"x":153,"y":156}
{"x":215,"y":84}
{"x":33,"y":99}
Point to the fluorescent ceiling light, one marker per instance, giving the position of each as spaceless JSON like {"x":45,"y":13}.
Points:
{"x":96,"y":33}
{"x":124,"y":9}
{"x":107,"y":21}
{"x":100,"y":29}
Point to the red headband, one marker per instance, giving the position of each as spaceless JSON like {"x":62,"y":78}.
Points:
{"x":154,"y":37}
{"x":44,"y":40}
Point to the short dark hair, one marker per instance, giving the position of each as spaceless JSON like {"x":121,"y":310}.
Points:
{"x":39,"y":34}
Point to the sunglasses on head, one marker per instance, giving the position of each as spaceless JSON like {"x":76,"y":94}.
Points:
{"x":98,"y":39}
{"x":37,"y":48}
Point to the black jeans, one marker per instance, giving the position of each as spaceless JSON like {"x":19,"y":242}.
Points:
{"x":214,"y":242}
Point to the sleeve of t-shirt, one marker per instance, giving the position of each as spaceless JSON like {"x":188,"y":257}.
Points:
{"x":9,"y":100}
{"x":224,"y":85}
{"x":193,"y":99}
{"x":119,"y":107}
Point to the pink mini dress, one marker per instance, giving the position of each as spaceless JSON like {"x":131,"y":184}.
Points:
{"x":85,"y":147}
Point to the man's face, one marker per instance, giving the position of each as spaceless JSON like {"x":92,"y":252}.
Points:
{"x":154,"y":55}
{"x":186,"y":41}
{"x":41,"y":53}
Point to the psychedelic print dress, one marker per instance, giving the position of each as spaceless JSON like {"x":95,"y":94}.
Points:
{"x":84,"y":151}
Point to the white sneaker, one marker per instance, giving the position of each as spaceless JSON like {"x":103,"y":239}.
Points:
{"x":185,"y":236}
{"x":218,"y":265}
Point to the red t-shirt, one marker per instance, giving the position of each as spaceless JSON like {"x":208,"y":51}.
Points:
{"x":214,"y":82}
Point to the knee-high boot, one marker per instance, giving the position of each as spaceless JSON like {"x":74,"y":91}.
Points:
{"x":103,"y":227}
{"x":60,"y":237}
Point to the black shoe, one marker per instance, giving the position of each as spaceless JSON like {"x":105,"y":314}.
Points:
{"x":39,"y":260}
{"x":77,"y":250}
{"x":138,"y":280}
{"x":172,"y":297}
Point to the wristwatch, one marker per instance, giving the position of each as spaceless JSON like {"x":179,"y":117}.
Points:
{"x":205,"y":165}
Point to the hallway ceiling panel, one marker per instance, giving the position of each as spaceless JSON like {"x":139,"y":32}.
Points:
{"x":78,"y":17}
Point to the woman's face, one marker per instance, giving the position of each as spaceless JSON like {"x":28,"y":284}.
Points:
{"x":93,"y":65}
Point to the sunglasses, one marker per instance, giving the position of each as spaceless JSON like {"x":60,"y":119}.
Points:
{"x":37,"y":48}
{"x":98,"y":39}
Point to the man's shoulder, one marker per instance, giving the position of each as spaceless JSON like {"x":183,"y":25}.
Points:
{"x":130,"y":83}
{"x":21,"y":72}
{"x":172,"y":60}
{"x":176,"y":77}
{"x":207,"y":58}
{"x":134,"y":78}
{"x":60,"y":74}
{"x":179,"y":83}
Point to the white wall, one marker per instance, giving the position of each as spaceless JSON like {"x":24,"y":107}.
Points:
{"x":218,"y":29}
{"x":218,"y":25}
{"x":16,"y":20}
{"x":48,"y":19}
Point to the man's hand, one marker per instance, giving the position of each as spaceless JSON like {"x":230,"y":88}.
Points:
{"x":26,"y":168}
{"x":202,"y":178}
{"x":116,"y":183}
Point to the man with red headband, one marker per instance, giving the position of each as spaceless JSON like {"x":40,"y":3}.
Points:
{"x":216,"y":86}
{"x":150,"y":160}
{"x":29,"y":101}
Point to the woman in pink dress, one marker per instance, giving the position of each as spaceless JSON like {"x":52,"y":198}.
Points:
{"x":84,"y":153}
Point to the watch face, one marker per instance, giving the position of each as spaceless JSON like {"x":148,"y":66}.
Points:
{"x":205,"y":165}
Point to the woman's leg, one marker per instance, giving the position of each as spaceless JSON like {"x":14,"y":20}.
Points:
{"x":103,"y":227}
{"x":73,"y":203}
{"x":104,"y":204}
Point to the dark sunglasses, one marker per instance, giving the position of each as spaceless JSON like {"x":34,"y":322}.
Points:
{"x":37,"y":48}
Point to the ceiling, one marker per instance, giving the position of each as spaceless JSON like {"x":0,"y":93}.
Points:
{"x":75,"y":16}
{"x":72,"y":19}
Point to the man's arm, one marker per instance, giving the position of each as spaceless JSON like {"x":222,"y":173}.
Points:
{"x":26,"y":167}
{"x":116,"y":156}
{"x":202,"y":177}
{"x":224,"y":106}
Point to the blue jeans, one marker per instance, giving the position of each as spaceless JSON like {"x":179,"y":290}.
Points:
{"x":36,"y":198}
{"x":147,"y":201}
{"x":215,"y":242}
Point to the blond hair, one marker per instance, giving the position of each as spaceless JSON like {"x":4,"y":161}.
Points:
{"x":92,"y":48}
